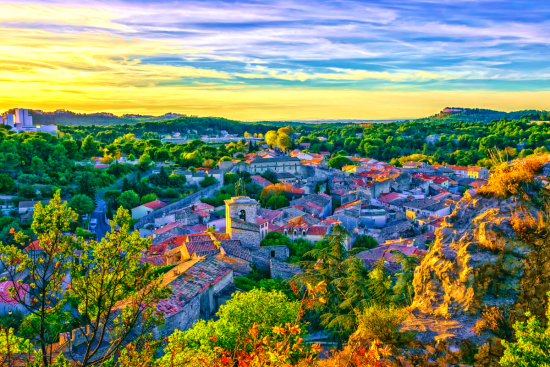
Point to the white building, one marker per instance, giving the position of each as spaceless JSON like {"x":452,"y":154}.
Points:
{"x":21,"y":121}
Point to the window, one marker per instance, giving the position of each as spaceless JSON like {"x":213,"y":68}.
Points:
{"x":272,"y":253}
{"x":242,"y":215}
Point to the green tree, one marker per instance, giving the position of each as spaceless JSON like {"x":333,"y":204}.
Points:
{"x":45,"y":269}
{"x":531,"y":347}
{"x":112,"y":194}
{"x":144,"y":162}
{"x":6,"y":183}
{"x":128,"y":200}
{"x":89,"y":147}
{"x":275,"y":239}
{"x":265,"y":309}
{"x":277,"y":202}
{"x":86,"y":185}
{"x":110,"y":272}
{"x":339,"y":162}
{"x":208,"y":181}
{"x":230,"y":178}
{"x":148,"y":198}
{"x":365,"y":242}
{"x":82,"y":204}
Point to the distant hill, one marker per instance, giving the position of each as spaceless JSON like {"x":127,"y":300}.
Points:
{"x":458,"y":114}
{"x":64,"y":117}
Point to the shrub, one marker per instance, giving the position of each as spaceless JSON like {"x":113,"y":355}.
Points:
{"x":491,"y":319}
{"x":509,"y":180}
{"x":381,"y":323}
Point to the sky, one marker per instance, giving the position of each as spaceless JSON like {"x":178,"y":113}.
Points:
{"x":275,"y":60}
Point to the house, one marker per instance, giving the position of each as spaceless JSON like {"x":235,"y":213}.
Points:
{"x":459,"y":171}
{"x":285,"y":177}
{"x":317,"y":205}
{"x":10,"y":304}
{"x":412,"y":165}
{"x":426,"y":207}
{"x":28,"y":206}
{"x":259,"y":180}
{"x":370,"y":257}
{"x":198,"y":290}
{"x":478,"y":173}
{"x":352,"y":169}
{"x":276,"y":164}
{"x":142,"y":210}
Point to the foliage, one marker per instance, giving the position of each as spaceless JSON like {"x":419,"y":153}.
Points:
{"x":13,"y":349}
{"x":240,"y":313}
{"x":208,"y":181}
{"x":365,"y":242}
{"x":6,"y":183}
{"x":283,"y":141}
{"x":269,"y":285}
{"x":297,"y":249}
{"x":381,"y":323}
{"x":275,"y":239}
{"x":148,"y":198}
{"x":339,"y":162}
{"x":514,"y":179}
{"x":82,"y":204}
{"x":531,"y":347}
{"x":128,"y":200}
{"x":277,"y":202}
{"x":491,"y":319}
{"x":270,"y":176}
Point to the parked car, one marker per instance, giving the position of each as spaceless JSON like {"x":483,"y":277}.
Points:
{"x":93,"y":224}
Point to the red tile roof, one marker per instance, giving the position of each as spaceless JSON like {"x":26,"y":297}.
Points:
{"x":157,"y":204}
{"x":387,"y":198}
{"x":166,"y":228}
{"x":317,"y":231}
{"x":5,"y":293}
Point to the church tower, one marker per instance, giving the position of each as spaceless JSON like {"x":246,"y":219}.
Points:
{"x":241,"y":215}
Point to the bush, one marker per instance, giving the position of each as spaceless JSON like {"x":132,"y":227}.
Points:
{"x":208,"y":181}
{"x":148,"y":198}
{"x":381,"y":323}
{"x":170,"y":193}
{"x":277,"y":202}
{"x":275,"y":239}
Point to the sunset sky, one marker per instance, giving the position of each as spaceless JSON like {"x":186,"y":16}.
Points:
{"x":275,"y":60}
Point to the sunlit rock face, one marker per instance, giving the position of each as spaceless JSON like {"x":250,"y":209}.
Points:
{"x":485,"y":256}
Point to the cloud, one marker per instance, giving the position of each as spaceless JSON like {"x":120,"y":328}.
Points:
{"x":229,"y":50}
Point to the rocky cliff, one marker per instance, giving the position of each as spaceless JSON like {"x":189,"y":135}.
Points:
{"x":489,"y":265}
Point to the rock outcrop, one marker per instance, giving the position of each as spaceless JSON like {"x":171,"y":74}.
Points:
{"x":478,"y":262}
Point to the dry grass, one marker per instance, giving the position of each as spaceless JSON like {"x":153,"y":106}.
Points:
{"x":509,"y":180}
{"x":491,"y":319}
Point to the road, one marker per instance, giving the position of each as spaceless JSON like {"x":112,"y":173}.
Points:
{"x":102,"y":226}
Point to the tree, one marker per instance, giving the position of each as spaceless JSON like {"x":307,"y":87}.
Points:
{"x":6,"y":183}
{"x":144,"y":162}
{"x":45,"y":269}
{"x":339,"y":161}
{"x":112,"y":194}
{"x":270,"y":176}
{"x":13,"y":349}
{"x":277,"y":202}
{"x":208,"y":181}
{"x":365,"y":242}
{"x":111,"y":283}
{"x":531,"y":347}
{"x":89,"y":147}
{"x":287,"y":130}
{"x":230,"y":178}
{"x":82,"y":204}
{"x":275,"y":239}
{"x":86,"y":185}
{"x":128,"y":200}
{"x":148,"y":198}
{"x":271,"y":138}
{"x":283,"y":142}
{"x":317,"y":187}
{"x":267,"y":310}
{"x":161,"y":179}
{"x":37,"y":166}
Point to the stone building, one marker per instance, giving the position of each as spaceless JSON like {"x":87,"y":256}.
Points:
{"x":241,"y":220}
{"x":279,"y":164}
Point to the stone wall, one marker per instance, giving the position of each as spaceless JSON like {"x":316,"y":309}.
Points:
{"x":262,"y":256}
{"x":247,"y":233}
{"x":283,"y":270}
{"x":188,"y":200}
{"x":182,"y":320}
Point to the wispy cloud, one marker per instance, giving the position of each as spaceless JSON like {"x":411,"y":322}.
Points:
{"x":70,"y":48}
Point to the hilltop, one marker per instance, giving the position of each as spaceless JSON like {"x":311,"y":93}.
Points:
{"x":459,"y":114}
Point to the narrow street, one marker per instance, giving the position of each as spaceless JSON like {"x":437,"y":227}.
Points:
{"x":102,"y":226}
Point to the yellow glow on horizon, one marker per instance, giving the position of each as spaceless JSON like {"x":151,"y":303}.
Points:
{"x":250,"y":104}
